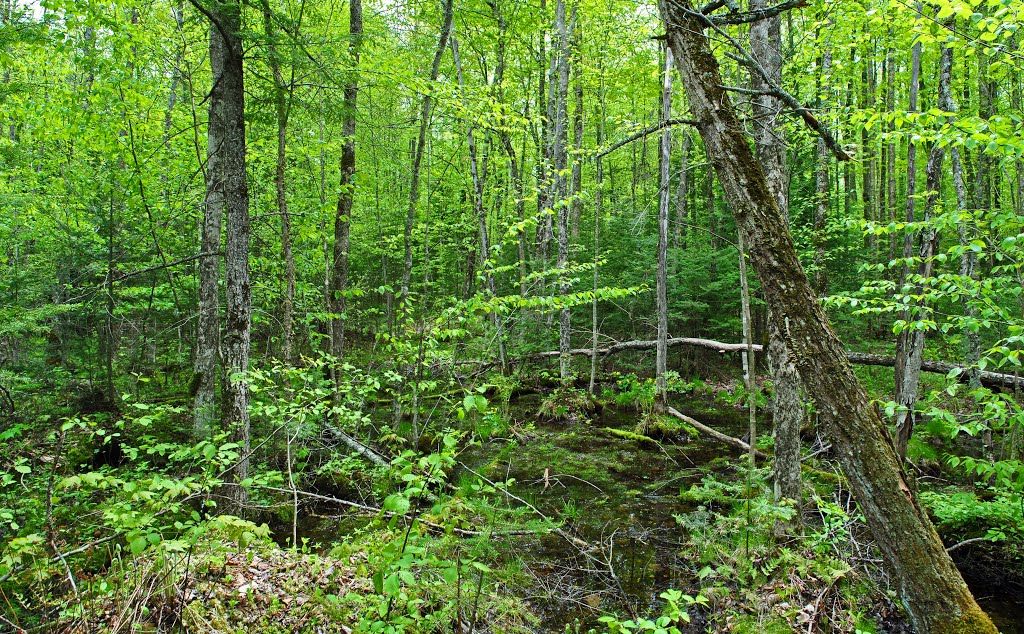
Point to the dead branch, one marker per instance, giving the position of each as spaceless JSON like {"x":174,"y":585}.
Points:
{"x":995,"y":380}
{"x":714,"y":433}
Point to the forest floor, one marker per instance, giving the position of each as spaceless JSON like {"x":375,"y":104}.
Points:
{"x":642,"y":506}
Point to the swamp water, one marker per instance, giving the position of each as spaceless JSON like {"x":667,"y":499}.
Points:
{"x":623,"y":498}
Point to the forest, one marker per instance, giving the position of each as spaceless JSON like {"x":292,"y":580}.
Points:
{"x":470,"y":316}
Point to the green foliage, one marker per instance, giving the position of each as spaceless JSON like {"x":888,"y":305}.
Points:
{"x":566,"y":403}
{"x":673,"y":614}
{"x":993,"y":513}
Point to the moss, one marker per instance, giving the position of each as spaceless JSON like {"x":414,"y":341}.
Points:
{"x":640,"y":439}
{"x":747,"y":624}
{"x":566,"y":403}
{"x":665,"y":428}
{"x":827,"y":477}
{"x":972,"y":621}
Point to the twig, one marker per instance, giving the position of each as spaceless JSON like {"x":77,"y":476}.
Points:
{"x":967,"y":542}
{"x":572,"y":539}
{"x":645,"y":132}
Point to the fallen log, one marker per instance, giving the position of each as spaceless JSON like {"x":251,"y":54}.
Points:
{"x":714,"y":433}
{"x":988,"y":379}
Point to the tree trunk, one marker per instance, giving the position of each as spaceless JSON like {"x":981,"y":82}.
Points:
{"x":417,"y":160}
{"x":227,"y":114}
{"x":935,"y":595}
{"x":890,"y":210}
{"x":481,"y":213}
{"x":905,"y":421}
{"x":682,"y":195}
{"x":598,"y":210}
{"x":929,"y":240}
{"x":821,"y":189}
{"x":983,"y":190}
{"x":664,"y":196}
{"x":558,"y":189}
{"x":577,"y":140}
{"x":749,"y":360}
{"x":337,"y":288}
{"x":770,"y":143}
{"x":281,"y":112}
{"x":208,"y":327}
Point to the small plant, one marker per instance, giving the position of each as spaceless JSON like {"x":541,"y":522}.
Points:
{"x":675,"y":612}
{"x":566,"y":403}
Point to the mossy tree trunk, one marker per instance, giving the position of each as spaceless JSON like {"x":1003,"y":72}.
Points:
{"x":931,"y":588}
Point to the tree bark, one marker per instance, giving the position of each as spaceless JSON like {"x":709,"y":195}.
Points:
{"x":227,"y":114}
{"x":598,"y":211}
{"x":935,"y":595}
{"x":337,"y":302}
{"x":911,"y":372}
{"x":771,"y":146}
{"x":749,"y":360}
{"x":208,"y":324}
{"x":902,"y":340}
{"x":558,"y":189}
{"x":682,"y":195}
{"x":664,"y":196}
{"x":281,"y":112}
{"x":417,"y":160}
{"x":986,"y":196}
{"x":821,"y":188}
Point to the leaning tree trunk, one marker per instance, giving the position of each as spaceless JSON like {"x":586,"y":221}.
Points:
{"x":338,"y":284}
{"x":770,"y":143}
{"x":227,"y":109}
{"x":934,"y":593}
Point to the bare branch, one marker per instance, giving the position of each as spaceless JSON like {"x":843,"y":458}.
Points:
{"x":747,"y":17}
{"x":746,"y":59}
{"x":645,"y":132}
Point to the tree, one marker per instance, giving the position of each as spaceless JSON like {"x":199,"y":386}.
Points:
{"x":664,"y":196}
{"x":936,"y":597}
{"x":346,"y":194}
{"x":228,"y":182}
{"x":770,"y":144}
{"x":915,"y":336}
{"x":418,"y":151}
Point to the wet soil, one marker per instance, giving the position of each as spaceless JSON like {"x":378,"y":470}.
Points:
{"x":622,"y":497}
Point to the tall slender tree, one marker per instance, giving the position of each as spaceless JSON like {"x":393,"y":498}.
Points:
{"x":771,"y":147}
{"x":338,"y":286}
{"x":664,"y":198}
{"x":227,"y":145}
{"x":906,"y":387}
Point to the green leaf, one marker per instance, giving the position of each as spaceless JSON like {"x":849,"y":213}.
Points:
{"x":138,"y":545}
{"x":392,"y":585}
{"x":451,"y":575}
